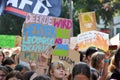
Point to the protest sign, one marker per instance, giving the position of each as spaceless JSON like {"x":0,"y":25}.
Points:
{"x":87,"y":21}
{"x":22,"y":7}
{"x":41,"y":32}
{"x":70,"y":60}
{"x":18,"y":41}
{"x":73,"y":42}
{"x":7,"y":41}
{"x":93,"y":38}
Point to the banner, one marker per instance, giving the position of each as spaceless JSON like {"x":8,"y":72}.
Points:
{"x":2,"y":6}
{"x":42,"y":7}
{"x":87,"y":21}
{"x":7,"y":41}
{"x":93,"y":38}
{"x":41,"y":32}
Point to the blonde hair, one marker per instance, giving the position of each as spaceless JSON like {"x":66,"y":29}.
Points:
{"x":57,"y":64}
{"x":96,"y":59}
{"x":111,"y":67}
{"x":54,"y":65}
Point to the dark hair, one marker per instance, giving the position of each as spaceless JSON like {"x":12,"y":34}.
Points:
{"x":9,"y":68}
{"x":82,"y":55}
{"x":28,"y":75}
{"x":117,"y":58}
{"x":4,"y":69}
{"x":19,"y":67}
{"x":7,"y":61}
{"x":90,"y":51}
{"x":41,"y":78}
{"x":16,"y":74}
{"x":81,"y":68}
{"x":94,"y":74}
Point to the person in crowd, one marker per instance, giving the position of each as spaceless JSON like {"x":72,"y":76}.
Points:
{"x":3,"y":72}
{"x":23,"y":69}
{"x":111,"y":66}
{"x":41,"y":78}
{"x":81,"y":71}
{"x":30,"y":75}
{"x":89,"y":52}
{"x":8,"y":68}
{"x":100,"y":62}
{"x":94,"y":74}
{"x":116,"y":73}
{"x":8,"y":61}
{"x":108,"y":76}
{"x":14,"y":75}
{"x":1,"y":56}
{"x":57,"y":71}
{"x":82,"y":56}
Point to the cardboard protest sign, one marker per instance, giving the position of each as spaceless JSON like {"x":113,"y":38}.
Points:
{"x":73,"y":42}
{"x":93,"y":38}
{"x":70,"y":60}
{"x":87,"y":21}
{"x":7,"y":41}
{"x":41,"y":32}
{"x":18,"y":41}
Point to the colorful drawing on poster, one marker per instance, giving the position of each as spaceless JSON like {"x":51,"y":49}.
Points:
{"x":93,"y":38}
{"x":7,"y":41}
{"x":42,"y":32}
{"x":87,"y":21}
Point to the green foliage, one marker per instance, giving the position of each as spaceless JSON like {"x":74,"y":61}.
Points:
{"x":65,"y":9}
{"x":10,"y":24}
{"x":104,"y":8}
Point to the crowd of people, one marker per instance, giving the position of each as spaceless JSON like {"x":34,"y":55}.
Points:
{"x":94,"y":64}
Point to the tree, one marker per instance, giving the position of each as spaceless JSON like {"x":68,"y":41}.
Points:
{"x":10,"y":24}
{"x":104,"y":8}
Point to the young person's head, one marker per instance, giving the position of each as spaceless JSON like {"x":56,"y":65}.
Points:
{"x":57,"y":71}
{"x":14,"y":75}
{"x":89,"y":52}
{"x":23,"y":69}
{"x":8,"y":61}
{"x":117,"y":59}
{"x":94,"y":74}
{"x":81,"y":71}
{"x":97,"y":60}
{"x":3,"y":72}
{"x":30,"y":75}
